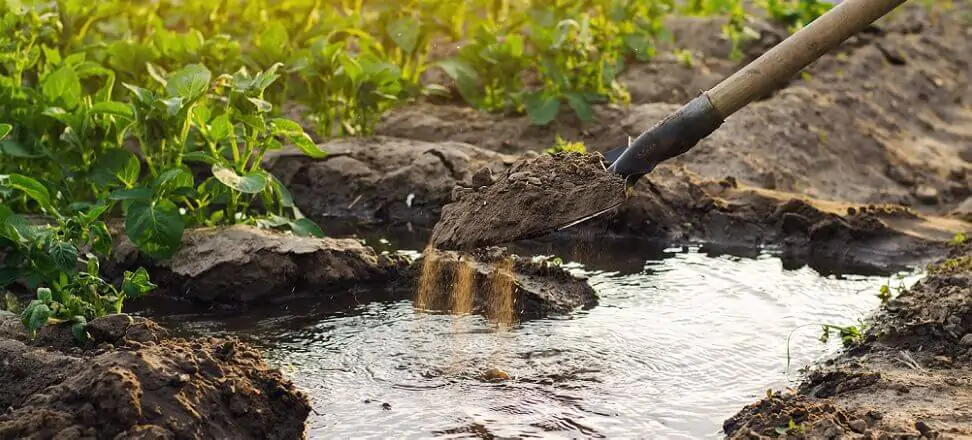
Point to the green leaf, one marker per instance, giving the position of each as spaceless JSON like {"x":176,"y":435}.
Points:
{"x":404,"y":32}
{"x":5,"y":129}
{"x":188,"y":83}
{"x":44,"y":294}
{"x":172,"y":180}
{"x":286,"y":198}
{"x":466,"y":79}
{"x":34,"y":189}
{"x":251,"y":183}
{"x":136,"y":284}
{"x":199,"y":156}
{"x":78,"y":329}
{"x":15,"y":149}
{"x":220,"y":128}
{"x":285,"y":127}
{"x":62,"y":87}
{"x":114,"y":108}
{"x":144,"y":96}
{"x":261,"y":105}
{"x":541,"y":108}
{"x":580,"y":105}
{"x":143,"y":194}
{"x":306,"y":145}
{"x":36,"y":316}
{"x":117,"y":167}
{"x":64,"y":255}
{"x":155,"y":228}
{"x":304,"y":227}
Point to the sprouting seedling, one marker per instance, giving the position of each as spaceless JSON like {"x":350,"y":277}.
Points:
{"x":848,"y":335}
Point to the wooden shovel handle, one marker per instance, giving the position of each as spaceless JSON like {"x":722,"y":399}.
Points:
{"x":784,"y":60}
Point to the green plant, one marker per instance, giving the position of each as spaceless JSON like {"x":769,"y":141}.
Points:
{"x":796,"y":14}
{"x":958,"y":239}
{"x":229,"y":131}
{"x":791,"y":427}
{"x":60,"y":261}
{"x":848,"y":335}
{"x":562,"y":145}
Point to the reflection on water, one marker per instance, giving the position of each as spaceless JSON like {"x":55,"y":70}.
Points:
{"x":670,"y":352}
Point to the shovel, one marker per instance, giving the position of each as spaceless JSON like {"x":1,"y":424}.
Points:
{"x":683,"y":129}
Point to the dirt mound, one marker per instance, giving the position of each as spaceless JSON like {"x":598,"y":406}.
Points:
{"x":531,"y":198}
{"x":243,"y":264}
{"x":131,"y":381}
{"x":908,"y":378}
{"x":380,"y":178}
{"x":540,"y":289}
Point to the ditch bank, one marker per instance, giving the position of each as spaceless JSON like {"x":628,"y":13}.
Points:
{"x":672,"y":204}
{"x":910,"y":377}
{"x":130,"y":380}
{"x":244,"y":266}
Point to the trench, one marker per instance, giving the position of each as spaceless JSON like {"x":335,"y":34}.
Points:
{"x":681,"y":339}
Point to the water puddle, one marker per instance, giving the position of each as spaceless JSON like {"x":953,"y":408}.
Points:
{"x":671,"y":351}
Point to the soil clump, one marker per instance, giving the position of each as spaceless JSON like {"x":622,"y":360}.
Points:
{"x":540,"y":289}
{"x":130,"y":380}
{"x":908,"y":378}
{"x":532,"y":197}
{"x":380,"y":179}
{"x":241,"y":265}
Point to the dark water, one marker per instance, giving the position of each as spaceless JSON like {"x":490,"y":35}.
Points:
{"x":679,"y":342}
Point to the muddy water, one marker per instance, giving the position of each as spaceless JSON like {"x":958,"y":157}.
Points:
{"x":671,"y":351}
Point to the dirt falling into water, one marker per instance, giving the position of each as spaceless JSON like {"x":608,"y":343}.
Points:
{"x":501,"y":294}
{"x":428,"y":280}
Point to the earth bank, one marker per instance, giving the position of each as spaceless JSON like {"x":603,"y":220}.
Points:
{"x":909,"y":378}
{"x":130,"y":380}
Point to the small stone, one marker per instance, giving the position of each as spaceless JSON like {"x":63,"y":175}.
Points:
{"x":519,"y":175}
{"x":927,"y":194}
{"x":483,"y":177}
{"x":925,"y":430}
{"x":858,"y":425}
{"x":534,"y":181}
{"x":966,"y":340}
{"x":386,"y":406}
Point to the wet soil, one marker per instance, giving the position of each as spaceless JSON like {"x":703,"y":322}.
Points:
{"x":531,"y":198}
{"x":243,"y":265}
{"x":540,"y":289}
{"x":910,"y":377}
{"x":130,"y":380}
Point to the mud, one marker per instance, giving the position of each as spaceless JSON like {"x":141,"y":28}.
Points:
{"x":242,"y":265}
{"x":540,"y":289}
{"x":532,"y":197}
{"x":909,"y":378}
{"x":131,"y":381}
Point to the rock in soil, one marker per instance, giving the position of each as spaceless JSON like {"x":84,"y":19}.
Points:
{"x":131,"y":381}
{"x":380,"y":178}
{"x":540,"y":289}
{"x":531,"y":198}
{"x":243,"y":264}
{"x":910,"y":376}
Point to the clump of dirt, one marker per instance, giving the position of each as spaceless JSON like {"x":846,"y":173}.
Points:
{"x":242,"y":264}
{"x":540,"y":289}
{"x":380,"y":179}
{"x":130,"y":380}
{"x":531,"y":198}
{"x":909,"y":377}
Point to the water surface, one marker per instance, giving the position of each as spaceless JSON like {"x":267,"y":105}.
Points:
{"x":674,"y":348}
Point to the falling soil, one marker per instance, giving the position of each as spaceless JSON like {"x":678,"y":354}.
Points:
{"x":501,"y":293}
{"x":462,"y":296}
{"x":533,"y":197}
{"x":427,"y":281}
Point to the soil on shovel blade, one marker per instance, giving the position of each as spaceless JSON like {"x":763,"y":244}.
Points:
{"x":532,"y":197}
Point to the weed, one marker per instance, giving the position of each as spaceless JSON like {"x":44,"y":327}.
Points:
{"x":849,"y":335}
{"x":796,"y":14}
{"x":562,"y":145}
{"x":951,"y":266}
{"x":958,"y":239}
{"x":791,"y":427}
